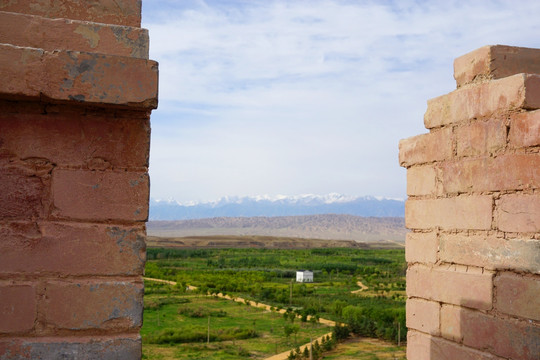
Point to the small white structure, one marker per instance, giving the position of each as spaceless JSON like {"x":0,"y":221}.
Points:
{"x":304,"y":276}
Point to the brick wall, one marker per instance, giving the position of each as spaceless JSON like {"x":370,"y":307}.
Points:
{"x":473,"y":181}
{"x":76,"y":92}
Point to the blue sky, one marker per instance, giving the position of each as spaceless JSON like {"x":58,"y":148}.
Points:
{"x":296,"y":97}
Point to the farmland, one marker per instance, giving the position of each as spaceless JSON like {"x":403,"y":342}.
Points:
{"x":176,"y":319}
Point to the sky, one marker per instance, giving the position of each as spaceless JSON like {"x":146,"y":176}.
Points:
{"x":306,"y":97}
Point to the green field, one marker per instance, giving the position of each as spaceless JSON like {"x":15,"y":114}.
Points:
{"x":267,"y":276}
{"x":176,"y":327}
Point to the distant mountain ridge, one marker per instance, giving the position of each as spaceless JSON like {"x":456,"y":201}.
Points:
{"x":325,"y":226}
{"x":278,"y":206}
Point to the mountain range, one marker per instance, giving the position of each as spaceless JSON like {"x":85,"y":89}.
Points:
{"x":366,"y":206}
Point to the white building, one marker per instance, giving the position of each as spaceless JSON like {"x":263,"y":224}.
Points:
{"x":304,"y":276}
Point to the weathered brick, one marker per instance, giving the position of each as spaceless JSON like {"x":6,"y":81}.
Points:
{"x":73,"y":138}
{"x":93,"y":304}
{"x":426,"y":148}
{"x":450,"y":323}
{"x":77,"y":348}
{"x":425,"y":347}
{"x":494,"y":62}
{"x":525,"y":129}
{"x":100,"y":195}
{"x":71,"y":249}
{"x":518,"y":295}
{"x":17,"y":307}
{"x":480,"y":138}
{"x":421,"y":247}
{"x":451,"y":284}
{"x":121,"y":12}
{"x":463,"y":212}
{"x":508,"y":338}
{"x":423,"y":315}
{"x":518,"y":213}
{"x":490,"y":252}
{"x":422,"y":180}
{"x":22,"y":191}
{"x":52,"y":34}
{"x":504,"y":172}
{"x":71,"y":76}
{"x":521,"y":91}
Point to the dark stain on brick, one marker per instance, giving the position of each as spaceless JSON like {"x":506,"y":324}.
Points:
{"x":79,"y":98}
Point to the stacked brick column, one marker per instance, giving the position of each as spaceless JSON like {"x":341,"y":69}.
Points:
{"x":76,"y":92}
{"x":473,"y":280}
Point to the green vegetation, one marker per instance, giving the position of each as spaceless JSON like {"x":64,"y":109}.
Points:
{"x":268,"y":276}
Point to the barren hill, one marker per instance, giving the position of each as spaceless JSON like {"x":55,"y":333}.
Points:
{"x":329,"y":226}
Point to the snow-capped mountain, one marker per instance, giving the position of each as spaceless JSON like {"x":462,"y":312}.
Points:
{"x":278,"y":206}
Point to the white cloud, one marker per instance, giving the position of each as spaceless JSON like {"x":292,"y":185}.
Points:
{"x":271,"y":97}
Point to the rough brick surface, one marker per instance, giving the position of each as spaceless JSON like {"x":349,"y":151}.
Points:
{"x":424,"y":347}
{"x":422,"y":180}
{"x":421,"y":247}
{"x":71,"y":249}
{"x":65,"y":76}
{"x":94,"y":304}
{"x":518,"y":213}
{"x":100,"y":195}
{"x":480,"y":138}
{"x":494,"y":62}
{"x":506,"y":338}
{"x":518,"y":295}
{"x":17,"y":307}
{"x":520,"y":91}
{"x":65,"y":137}
{"x":490,"y":252}
{"x":426,"y":148}
{"x":463,"y":212}
{"x":423,"y":315}
{"x":451,"y":284}
{"x":48,"y":34}
{"x":525,"y":129}
{"x":121,"y":12}
{"x":78,"y":348}
{"x":22,"y":191}
{"x":504,"y":172}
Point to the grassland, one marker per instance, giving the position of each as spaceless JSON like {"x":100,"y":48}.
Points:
{"x":267,"y":276}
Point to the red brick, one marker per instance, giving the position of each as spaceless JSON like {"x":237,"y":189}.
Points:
{"x":450,"y":323}
{"x":480,"y":138}
{"x":490,"y":252}
{"x":425,"y":347}
{"x":70,"y":76}
{"x":421,"y":247}
{"x":508,"y":338}
{"x":22,"y":191}
{"x":519,"y":91}
{"x":100,"y":79}
{"x":93,"y":304}
{"x":451,"y":284}
{"x":48,"y":34}
{"x":121,"y":12}
{"x":463,"y":212}
{"x":525,"y":129}
{"x":100,"y":195}
{"x":423,"y":316}
{"x":422,"y":180}
{"x":73,"y":347}
{"x":17,"y":307}
{"x":494,"y":62}
{"x":504,"y":172}
{"x":426,"y":148}
{"x":518,"y":213}
{"x":518,"y":295}
{"x":20,"y":71}
{"x":71,"y":249}
{"x":73,"y":138}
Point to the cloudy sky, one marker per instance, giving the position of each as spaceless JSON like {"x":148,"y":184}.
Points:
{"x":297,"y":97}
